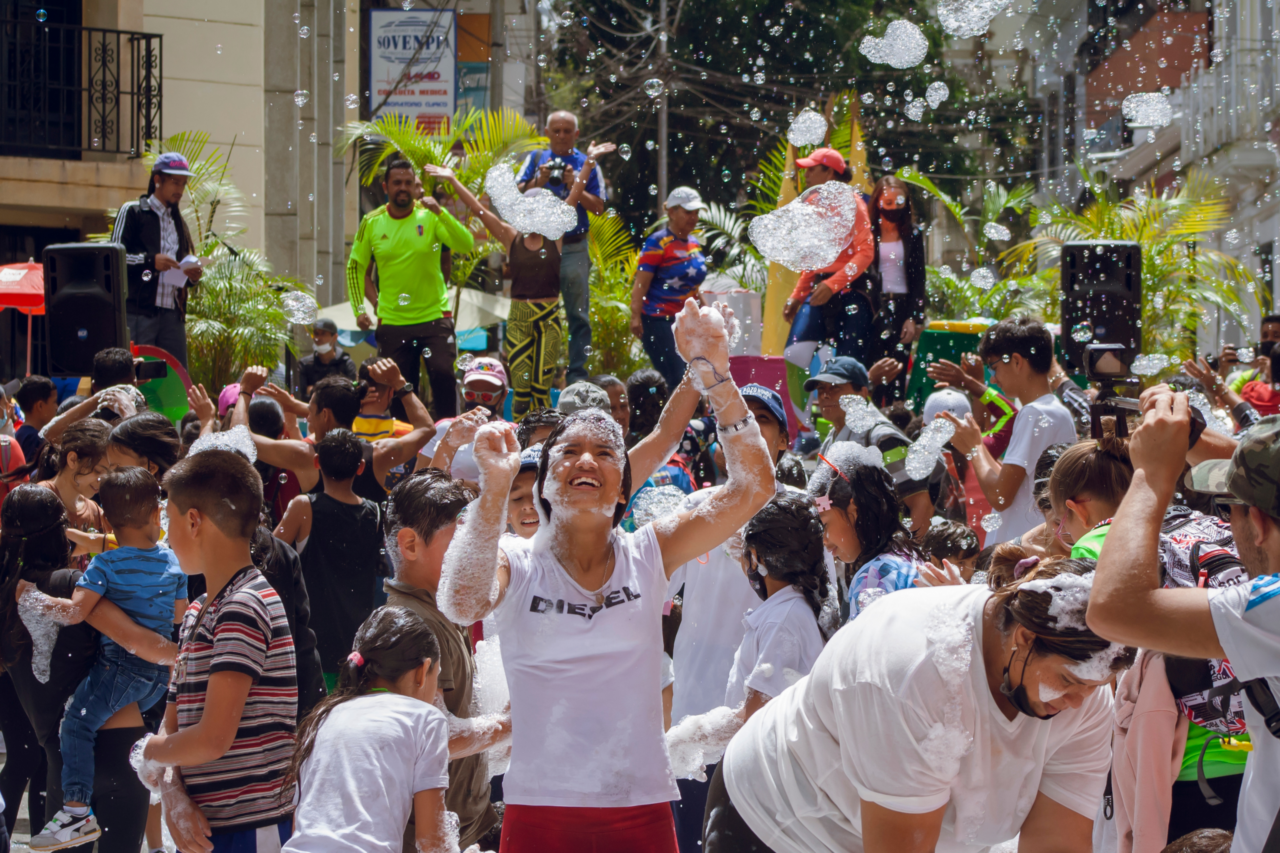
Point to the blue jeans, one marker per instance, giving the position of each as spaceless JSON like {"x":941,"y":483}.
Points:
{"x":167,"y":330}
{"x":575,"y":274}
{"x":264,"y":839}
{"x":689,"y":811}
{"x":660,"y":344}
{"x":847,"y":322}
{"x":117,"y":679}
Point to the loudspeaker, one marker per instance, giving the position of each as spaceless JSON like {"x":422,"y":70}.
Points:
{"x":1101,"y":299}
{"x":85,"y":288}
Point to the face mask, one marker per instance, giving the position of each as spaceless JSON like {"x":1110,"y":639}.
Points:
{"x":756,"y":577}
{"x":321,"y":349}
{"x":1018,"y":695}
{"x":897,"y":216}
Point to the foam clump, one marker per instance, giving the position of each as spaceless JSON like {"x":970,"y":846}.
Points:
{"x":150,"y":772}
{"x":537,"y":213}
{"x":808,"y":128}
{"x":996,"y":231}
{"x":859,"y":414}
{"x":43,"y":628}
{"x":299,"y":308}
{"x":492,"y":695}
{"x":969,"y":18}
{"x":923,"y":454}
{"x":1149,"y":365}
{"x":1147,"y":109}
{"x":915,"y":110}
{"x":903,"y":45}
{"x":936,"y":94}
{"x":992,"y":521}
{"x":1070,"y":594}
{"x":1214,"y":421}
{"x":983,"y":278}
{"x":810,"y":232}
{"x":655,"y":503}
{"x":868,"y":597}
{"x":1099,"y":666}
{"x":238,"y":439}
{"x":697,"y":741}
{"x":951,"y":646}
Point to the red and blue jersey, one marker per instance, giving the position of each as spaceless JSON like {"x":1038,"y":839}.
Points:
{"x":678,"y":269}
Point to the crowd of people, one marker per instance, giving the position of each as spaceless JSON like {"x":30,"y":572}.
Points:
{"x":664,"y":612}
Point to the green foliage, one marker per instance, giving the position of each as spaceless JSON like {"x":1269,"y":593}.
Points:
{"x":996,"y":199}
{"x":727,"y":249}
{"x":614,"y":349}
{"x":950,"y":298}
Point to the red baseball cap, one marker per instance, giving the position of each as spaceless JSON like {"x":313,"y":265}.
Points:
{"x":828,"y":157}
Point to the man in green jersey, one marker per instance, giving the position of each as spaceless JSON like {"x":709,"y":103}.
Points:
{"x":405,"y":240}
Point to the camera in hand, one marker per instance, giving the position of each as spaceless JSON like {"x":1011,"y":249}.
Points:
{"x":555,"y":172}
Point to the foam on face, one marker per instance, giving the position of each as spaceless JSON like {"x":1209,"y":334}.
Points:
{"x":594,"y":427}
{"x":1099,"y":666}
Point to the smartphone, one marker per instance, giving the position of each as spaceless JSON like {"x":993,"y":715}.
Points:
{"x":148,"y":370}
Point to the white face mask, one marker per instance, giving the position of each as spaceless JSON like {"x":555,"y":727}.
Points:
{"x":321,"y":349}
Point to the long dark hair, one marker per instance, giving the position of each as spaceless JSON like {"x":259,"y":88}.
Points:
{"x":912,"y":238}
{"x":845,"y":477}
{"x":151,"y":436}
{"x":87,"y":439}
{"x":786,"y":537}
{"x":392,"y":641}
{"x":33,"y":544}
{"x":594,"y":417}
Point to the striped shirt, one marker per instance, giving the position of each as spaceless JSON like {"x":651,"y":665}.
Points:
{"x":245,"y":631}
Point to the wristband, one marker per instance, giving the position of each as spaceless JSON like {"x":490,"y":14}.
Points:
{"x":720,"y":379}
{"x":736,"y":426}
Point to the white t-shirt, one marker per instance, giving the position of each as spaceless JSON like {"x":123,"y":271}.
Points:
{"x":1039,"y":424}
{"x":781,"y":643}
{"x":893,"y":274}
{"x":1247,"y":619}
{"x":371,"y":755}
{"x":897,"y":711}
{"x":716,"y":595}
{"x":585,"y":670}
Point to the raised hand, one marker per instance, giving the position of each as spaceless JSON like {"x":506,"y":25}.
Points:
{"x":884,"y":370}
{"x":497,"y":454}
{"x":198,"y":400}
{"x":1166,"y":424}
{"x":931,"y":575}
{"x":385,"y":371}
{"x":701,"y":336}
{"x":443,"y":173}
{"x":968,"y":435}
{"x":463,"y":429}
{"x":252,"y":379}
{"x":594,"y":151}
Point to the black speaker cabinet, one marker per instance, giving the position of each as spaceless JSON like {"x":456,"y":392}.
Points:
{"x":1101,"y":298}
{"x":85,"y":288}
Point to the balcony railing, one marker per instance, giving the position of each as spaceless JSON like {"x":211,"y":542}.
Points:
{"x":1227,"y":103}
{"x":66,"y":89}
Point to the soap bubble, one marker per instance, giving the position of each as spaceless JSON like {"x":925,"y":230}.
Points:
{"x":655,"y":503}
{"x":755,"y":113}
{"x":887,"y":164}
{"x":299,"y":308}
{"x":1232,"y":237}
{"x":1214,"y":420}
{"x":923,"y":454}
{"x":810,"y":232}
{"x":936,"y":94}
{"x":352,"y":101}
{"x":542,"y":60}
{"x":404,"y":299}
{"x":969,"y":18}
{"x":146,"y":275}
{"x":996,"y":231}
{"x":537,"y":213}
{"x":304,"y":32}
{"x":915,"y":110}
{"x":1245,"y":354}
{"x":808,"y":128}
{"x":406,"y":5}
{"x":903,"y":45}
{"x":464,"y":360}
{"x":1149,"y":365}
{"x":301,"y":97}
{"x":983,"y":278}
{"x":319,"y":280}
{"x":650,"y":144}
{"x":991,"y":521}
{"x":1147,"y":109}
{"x":283,"y":478}
{"x":653,"y":87}
{"x":624,"y":151}
{"x":42,"y":16}
{"x":1082,"y":333}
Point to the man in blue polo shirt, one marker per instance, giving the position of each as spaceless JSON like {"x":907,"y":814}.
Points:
{"x":556,"y":169}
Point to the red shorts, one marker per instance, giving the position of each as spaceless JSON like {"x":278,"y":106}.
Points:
{"x":557,"y":829}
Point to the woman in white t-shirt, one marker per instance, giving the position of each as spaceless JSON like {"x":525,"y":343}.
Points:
{"x":945,"y":719}
{"x":376,"y":752}
{"x":579,"y":611}
{"x":899,"y":297}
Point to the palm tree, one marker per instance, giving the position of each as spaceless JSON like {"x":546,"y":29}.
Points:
{"x":613,"y":268}
{"x":1180,"y":276}
{"x":728,"y":250}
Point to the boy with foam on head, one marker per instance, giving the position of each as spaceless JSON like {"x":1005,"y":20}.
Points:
{"x":143,"y":579}
{"x":522,"y":514}
{"x":228,"y":730}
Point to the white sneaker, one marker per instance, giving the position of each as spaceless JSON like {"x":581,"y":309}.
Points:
{"x":66,"y":830}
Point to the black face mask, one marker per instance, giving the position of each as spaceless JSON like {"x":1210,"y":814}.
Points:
{"x":1018,"y":695}
{"x":757,"y":580}
{"x":897,"y":216}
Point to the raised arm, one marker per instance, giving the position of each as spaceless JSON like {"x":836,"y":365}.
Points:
{"x":702,"y":340}
{"x":656,"y":448}
{"x":198,"y":400}
{"x":501,"y":231}
{"x":578,"y":192}
{"x":385,"y":371}
{"x":1127,"y":604}
{"x":475,"y":572}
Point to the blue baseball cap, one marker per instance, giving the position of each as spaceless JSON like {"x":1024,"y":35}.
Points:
{"x":172,"y":163}
{"x":769,"y":398}
{"x":530,"y":457}
{"x":839,"y":371}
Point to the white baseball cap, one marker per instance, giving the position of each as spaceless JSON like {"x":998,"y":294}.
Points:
{"x":686,"y":197}
{"x":946,"y":400}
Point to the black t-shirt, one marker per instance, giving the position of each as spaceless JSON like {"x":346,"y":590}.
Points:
{"x":73,"y":655}
{"x":311,"y":370}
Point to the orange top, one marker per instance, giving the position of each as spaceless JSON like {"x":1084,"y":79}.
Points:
{"x":858,"y":254}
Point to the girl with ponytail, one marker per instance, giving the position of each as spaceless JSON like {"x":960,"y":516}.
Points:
{"x":72,"y":469}
{"x":375,"y":753}
{"x":1086,"y":486}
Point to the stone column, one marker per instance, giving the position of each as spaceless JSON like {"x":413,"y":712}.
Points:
{"x":280,"y":80}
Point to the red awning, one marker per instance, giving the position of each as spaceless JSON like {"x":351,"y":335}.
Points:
{"x":22,"y":287}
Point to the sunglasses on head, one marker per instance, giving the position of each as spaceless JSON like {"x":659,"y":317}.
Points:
{"x":481,"y":396}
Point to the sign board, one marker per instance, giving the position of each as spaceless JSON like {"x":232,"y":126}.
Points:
{"x":425,"y":43}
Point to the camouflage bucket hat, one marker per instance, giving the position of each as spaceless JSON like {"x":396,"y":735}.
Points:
{"x":1251,"y":477}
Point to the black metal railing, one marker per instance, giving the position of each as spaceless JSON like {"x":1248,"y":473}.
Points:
{"x":67,"y":89}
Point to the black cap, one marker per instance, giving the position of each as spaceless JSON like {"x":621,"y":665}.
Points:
{"x":324,"y":324}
